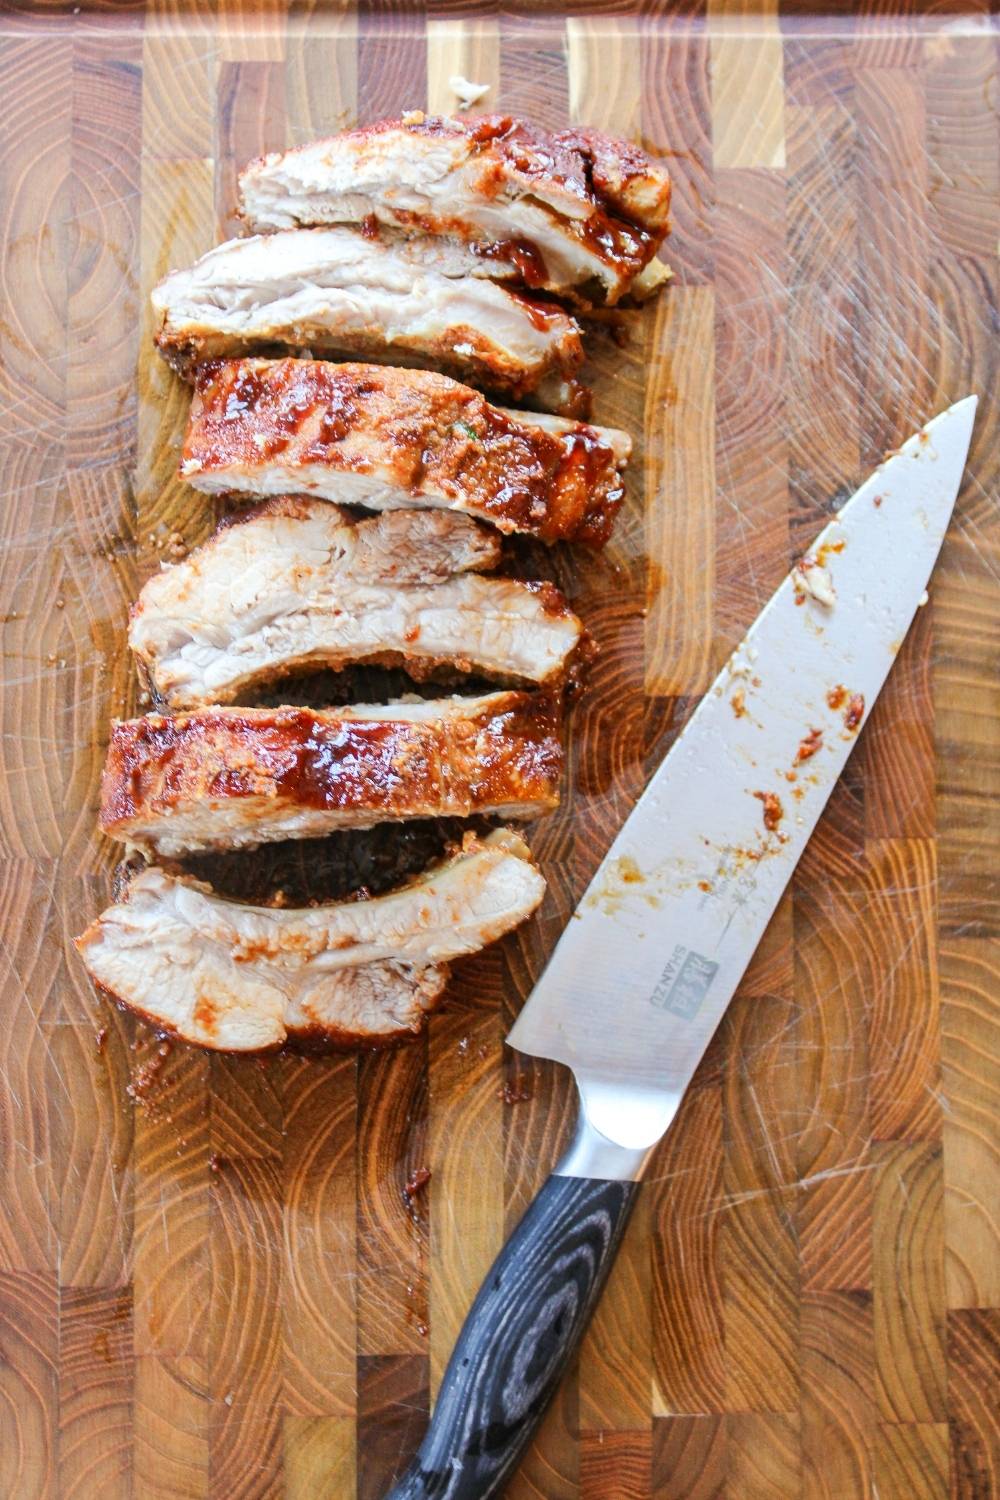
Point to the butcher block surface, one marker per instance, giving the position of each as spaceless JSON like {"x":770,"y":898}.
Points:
{"x":213,"y":1279}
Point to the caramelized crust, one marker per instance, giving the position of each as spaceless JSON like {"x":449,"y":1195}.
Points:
{"x":387,"y":438}
{"x":577,"y":212}
{"x":231,"y":778}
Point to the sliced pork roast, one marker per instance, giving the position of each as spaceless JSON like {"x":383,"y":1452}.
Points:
{"x":295,"y":585}
{"x":387,"y":439}
{"x":231,"y":778}
{"x":575,"y":212}
{"x":395,"y":300}
{"x":246,"y":978}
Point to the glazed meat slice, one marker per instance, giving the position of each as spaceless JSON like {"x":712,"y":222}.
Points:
{"x":297,"y":586}
{"x":388,"y":439}
{"x":356,"y":973}
{"x":230,"y":778}
{"x":575,"y":212}
{"x":390,"y":299}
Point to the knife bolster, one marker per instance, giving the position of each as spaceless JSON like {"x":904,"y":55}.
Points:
{"x":637,"y":1120}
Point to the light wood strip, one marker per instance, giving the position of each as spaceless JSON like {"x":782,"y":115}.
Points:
{"x":680,"y":495}
{"x":970,"y":1045}
{"x":319,"y":1250}
{"x":464,"y":1197}
{"x":468,"y":49}
{"x":748,"y":105}
{"x":320,"y":1459}
{"x":171,"y":1272}
{"x":245,"y":1366}
{"x":907,"y":1225}
{"x":179,"y":72}
{"x":604,"y":71}
{"x":92,"y":1145}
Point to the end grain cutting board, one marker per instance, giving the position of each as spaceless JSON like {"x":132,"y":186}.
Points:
{"x":211,"y":1283}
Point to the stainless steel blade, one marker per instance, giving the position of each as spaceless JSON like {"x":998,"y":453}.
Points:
{"x":645,"y":968}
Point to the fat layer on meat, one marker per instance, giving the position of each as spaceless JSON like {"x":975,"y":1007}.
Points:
{"x":296,"y":585}
{"x":389,"y":299}
{"x":389,"y":439}
{"x":576,"y":212}
{"x":245,"y":978}
{"x":227,"y":778}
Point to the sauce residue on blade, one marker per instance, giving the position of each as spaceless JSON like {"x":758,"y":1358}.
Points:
{"x":855,"y":713}
{"x":809,"y":745}
{"x":773,"y":810}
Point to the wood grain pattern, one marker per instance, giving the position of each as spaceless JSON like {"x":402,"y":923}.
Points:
{"x":211,"y":1284}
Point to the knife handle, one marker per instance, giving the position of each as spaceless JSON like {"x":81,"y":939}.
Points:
{"x":521,"y":1332}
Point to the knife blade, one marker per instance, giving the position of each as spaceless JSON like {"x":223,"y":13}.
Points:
{"x":643,"y":973}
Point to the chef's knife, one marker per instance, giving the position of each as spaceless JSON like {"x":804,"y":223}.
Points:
{"x":643,"y":973}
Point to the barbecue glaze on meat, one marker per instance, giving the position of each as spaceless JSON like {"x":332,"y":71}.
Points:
{"x":387,"y":439}
{"x":229,"y":778}
{"x":391,"y":299}
{"x":296,"y":585}
{"x":575,"y":212}
{"x":359,"y":973}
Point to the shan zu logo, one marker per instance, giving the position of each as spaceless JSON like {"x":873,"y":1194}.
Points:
{"x":684,"y":983}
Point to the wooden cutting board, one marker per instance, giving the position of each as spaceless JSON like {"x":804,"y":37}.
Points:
{"x":210,"y":1282}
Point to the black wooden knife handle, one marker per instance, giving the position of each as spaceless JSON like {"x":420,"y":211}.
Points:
{"x":521,"y":1332}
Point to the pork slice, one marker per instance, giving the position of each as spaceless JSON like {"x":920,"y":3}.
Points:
{"x":389,"y":299}
{"x":359,"y":973}
{"x":575,"y":211}
{"x":297,"y":586}
{"x":388,"y":439}
{"x":228,"y":778}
